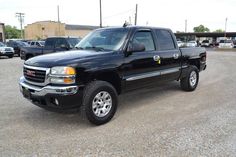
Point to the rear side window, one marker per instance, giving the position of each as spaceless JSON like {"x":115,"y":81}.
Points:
{"x":145,"y":38}
{"x":165,"y":40}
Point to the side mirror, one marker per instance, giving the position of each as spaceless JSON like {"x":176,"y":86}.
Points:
{"x":135,"y":47}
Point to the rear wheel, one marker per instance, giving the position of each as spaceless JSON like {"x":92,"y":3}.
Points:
{"x":190,"y":82}
{"x":99,"y":102}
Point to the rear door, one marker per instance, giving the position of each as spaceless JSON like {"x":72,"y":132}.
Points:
{"x":169,"y":54}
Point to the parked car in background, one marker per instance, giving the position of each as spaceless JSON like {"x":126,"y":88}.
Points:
{"x":36,"y":43}
{"x":180,"y":43}
{"x":52,"y":45}
{"x":17,"y":45}
{"x":6,"y":51}
{"x":226,"y":44}
{"x":192,"y":44}
{"x":205,"y":43}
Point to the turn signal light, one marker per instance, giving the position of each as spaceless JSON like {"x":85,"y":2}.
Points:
{"x":69,"y":71}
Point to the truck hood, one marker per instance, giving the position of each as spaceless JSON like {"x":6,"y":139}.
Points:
{"x":65,"y":58}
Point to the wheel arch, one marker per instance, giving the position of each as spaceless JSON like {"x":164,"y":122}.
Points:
{"x":109,"y":76}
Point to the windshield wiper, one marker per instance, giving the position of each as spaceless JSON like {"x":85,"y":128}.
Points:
{"x":95,"y":48}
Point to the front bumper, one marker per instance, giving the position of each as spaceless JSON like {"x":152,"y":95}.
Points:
{"x":8,"y":53}
{"x":42,"y":91}
{"x":56,"y":98}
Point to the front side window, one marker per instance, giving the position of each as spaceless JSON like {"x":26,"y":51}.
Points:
{"x":165,"y":40}
{"x":61,"y":42}
{"x":104,"y":39}
{"x":145,"y":38}
{"x":73,"y":41}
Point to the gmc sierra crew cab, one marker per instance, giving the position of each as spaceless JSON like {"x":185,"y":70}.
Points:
{"x":52,"y":44}
{"x":108,"y":62}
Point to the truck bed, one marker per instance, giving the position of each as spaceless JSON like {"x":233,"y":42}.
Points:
{"x":193,"y":52}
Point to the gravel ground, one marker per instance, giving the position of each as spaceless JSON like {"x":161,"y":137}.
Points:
{"x":161,"y":121}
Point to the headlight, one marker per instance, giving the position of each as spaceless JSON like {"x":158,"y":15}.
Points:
{"x":63,"y":71}
{"x":62,"y":75}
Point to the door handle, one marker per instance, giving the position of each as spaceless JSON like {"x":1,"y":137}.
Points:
{"x":156,"y":58}
{"x":176,"y":56}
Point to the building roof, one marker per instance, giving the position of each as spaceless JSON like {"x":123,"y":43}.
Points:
{"x":208,"y":34}
{"x":80,"y":27}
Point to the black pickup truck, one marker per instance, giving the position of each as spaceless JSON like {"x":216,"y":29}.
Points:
{"x":52,"y":44}
{"x":108,"y":62}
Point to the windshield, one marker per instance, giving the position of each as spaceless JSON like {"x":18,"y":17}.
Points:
{"x":1,"y":44}
{"x":42,"y":43}
{"x":73,"y":41}
{"x":104,"y":39}
{"x":205,"y":41}
{"x":23,"y":43}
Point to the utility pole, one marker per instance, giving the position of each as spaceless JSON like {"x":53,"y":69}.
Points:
{"x":186,"y":25}
{"x":130,"y":22}
{"x":225,"y":26}
{"x":58,"y":20}
{"x":136,"y":14}
{"x":100,"y":6}
{"x":20,"y":17}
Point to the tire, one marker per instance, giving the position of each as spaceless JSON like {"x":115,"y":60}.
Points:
{"x":28,"y":57}
{"x":96,"y":108}
{"x":190,"y":82}
{"x":11,"y":56}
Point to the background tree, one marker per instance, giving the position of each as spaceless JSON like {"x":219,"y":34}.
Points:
{"x":219,"y":31}
{"x":12,"y":32}
{"x":201,"y":28}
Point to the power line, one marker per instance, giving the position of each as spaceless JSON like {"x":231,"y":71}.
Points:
{"x":20,"y":17}
{"x":118,"y":14}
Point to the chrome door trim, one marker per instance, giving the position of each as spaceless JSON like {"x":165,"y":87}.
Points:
{"x":153,"y":74}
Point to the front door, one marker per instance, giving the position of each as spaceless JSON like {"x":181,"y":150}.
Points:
{"x":141,"y":68}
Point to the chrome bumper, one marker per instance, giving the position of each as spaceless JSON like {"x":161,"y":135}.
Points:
{"x":42,"y":91}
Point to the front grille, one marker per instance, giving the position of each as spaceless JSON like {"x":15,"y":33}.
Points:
{"x":34,"y":75}
{"x":7,"y":49}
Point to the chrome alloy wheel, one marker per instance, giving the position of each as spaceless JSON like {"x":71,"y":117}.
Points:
{"x":193,"y":78}
{"x":102,"y":104}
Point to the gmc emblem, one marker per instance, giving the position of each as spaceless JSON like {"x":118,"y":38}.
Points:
{"x":30,"y":73}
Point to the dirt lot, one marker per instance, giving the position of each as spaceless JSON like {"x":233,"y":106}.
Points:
{"x":162,"y":121}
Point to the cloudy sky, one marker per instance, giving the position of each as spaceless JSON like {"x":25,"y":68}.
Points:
{"x":161,"y":13}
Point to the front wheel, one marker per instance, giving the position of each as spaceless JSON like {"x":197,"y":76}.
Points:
{"x":99,"y":102}
{"x":10,"y":56}
{"x":190,"y":82}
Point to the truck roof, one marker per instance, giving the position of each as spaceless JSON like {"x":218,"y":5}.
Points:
{"x":136,"y":27}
